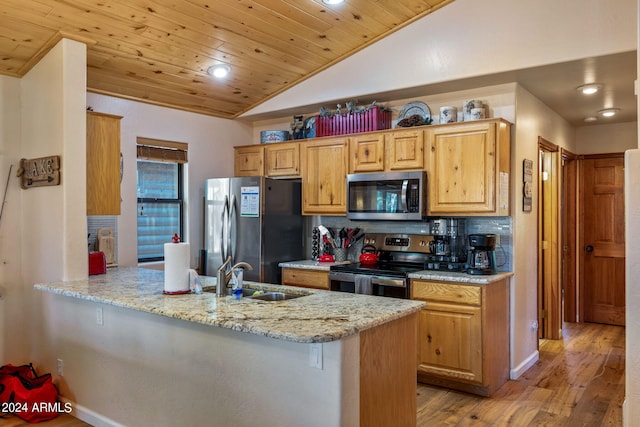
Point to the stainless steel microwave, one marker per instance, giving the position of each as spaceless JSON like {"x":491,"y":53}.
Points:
{"x":387,"y":196}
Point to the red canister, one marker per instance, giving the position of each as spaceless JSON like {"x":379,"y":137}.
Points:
{"x":97,"y":263}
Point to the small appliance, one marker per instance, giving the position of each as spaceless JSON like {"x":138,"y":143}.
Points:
{"x":446,"y":250}
{"x":481,"y":258}
{"x":391,"y":196}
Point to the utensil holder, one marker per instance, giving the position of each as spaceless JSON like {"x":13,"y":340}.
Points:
{"x":340,"y":254}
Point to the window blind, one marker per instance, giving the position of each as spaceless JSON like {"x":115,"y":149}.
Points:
{"x":161,"y":151}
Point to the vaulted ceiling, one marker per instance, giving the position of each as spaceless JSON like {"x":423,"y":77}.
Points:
{"x":159,"y":51}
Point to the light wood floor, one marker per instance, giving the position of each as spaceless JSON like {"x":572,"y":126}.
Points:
{"x":578,"y":381}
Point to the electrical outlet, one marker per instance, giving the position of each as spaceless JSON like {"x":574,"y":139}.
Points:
{"x":315,"y":355}
{"x":60,"y":367}
{"x":99,"y":317}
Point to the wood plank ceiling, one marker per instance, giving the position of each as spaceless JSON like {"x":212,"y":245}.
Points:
{"x":158,"y":51}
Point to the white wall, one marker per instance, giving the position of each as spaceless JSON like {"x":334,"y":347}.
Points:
{"x":140,"y":369}
{"x":615,"y":138}
{"x":13,"y":342}
{"x":533,"y":119}
{"x":469,"y":38}
{"x":210,"y":154}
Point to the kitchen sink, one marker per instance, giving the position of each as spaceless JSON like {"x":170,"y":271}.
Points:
{"x":274,"y":296}
{"x":261,"y":295}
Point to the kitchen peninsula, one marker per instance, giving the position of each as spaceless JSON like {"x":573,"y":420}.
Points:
{"x":140,"y":357}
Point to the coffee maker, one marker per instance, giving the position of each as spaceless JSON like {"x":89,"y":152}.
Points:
{"x":481,"y":258}
{"x":446,"y":251}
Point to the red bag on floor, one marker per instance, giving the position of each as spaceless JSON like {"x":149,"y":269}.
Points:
{"x":26,"y":395}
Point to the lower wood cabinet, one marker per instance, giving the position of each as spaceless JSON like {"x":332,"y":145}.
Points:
{"x":317,"y":279}
{"x":463,"y":335}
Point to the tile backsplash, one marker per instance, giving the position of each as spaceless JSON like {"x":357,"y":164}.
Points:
{"x":501,"y":226}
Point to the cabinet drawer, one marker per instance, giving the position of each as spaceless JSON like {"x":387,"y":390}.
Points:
{"x":446,"y":292}
{"x":305,"y":278}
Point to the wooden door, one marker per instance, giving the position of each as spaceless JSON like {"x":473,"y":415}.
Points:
{"x":603,"y":253}
{"x":324,"y":177}
{"x":249,"y":161}
{"x":405,"y":150}
{"x":103,"y":164}
{"x":366,"y":153}
{"x":450,"y":341}
{"x":282,"y":160}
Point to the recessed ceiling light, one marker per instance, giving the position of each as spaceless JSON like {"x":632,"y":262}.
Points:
{"x":608,"y":112}
{"x":590,"y":119}
{"x":589,"y":89}
{"x":332,"y":1}
{"x":219,"y":71}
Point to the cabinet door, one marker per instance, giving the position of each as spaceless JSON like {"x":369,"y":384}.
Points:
{"x":282,"y":160}
{"x":366,"y":153}
{"x":324,"y":175}
{"x":305,"y":278}
{"x":462,"y":169}
{"x":249,"y":161}
{"x":405,"y":150}
{"x":103,"y":164}
{"x":450,"y":341}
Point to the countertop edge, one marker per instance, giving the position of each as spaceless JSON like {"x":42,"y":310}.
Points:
{"x":154,"y":303}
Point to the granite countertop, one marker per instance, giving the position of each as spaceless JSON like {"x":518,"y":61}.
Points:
{"x":459,"y":277}
{"x":320,"y":316}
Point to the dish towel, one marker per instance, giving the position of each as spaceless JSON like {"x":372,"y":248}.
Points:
{"x":363,"y":284}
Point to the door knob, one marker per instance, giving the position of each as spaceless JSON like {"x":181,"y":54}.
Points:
{"x":589,"y":248}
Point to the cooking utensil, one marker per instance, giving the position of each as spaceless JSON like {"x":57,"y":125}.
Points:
{"x":327,"y":235}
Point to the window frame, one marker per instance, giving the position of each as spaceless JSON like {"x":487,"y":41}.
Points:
{"x":157,"y":151}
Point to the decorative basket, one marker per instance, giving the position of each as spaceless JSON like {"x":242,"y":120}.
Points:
{"x":375,"y":118}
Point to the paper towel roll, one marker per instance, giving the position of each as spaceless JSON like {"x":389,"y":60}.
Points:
{"x":176,"y":267}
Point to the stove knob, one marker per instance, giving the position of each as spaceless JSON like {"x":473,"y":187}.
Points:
{"x":436,"y":265}
{"x":451,"y":266}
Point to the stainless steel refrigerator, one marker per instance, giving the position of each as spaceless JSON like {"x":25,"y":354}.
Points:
{"x":252,"y":219}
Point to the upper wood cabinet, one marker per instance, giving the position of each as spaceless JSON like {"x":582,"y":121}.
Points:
{"x":387,"y":151}
{"x":405,"y":150}
{"x":324,"y":175}
{"x":103,"y":164}
{"x":282,"y":160}
{"x":366,"y":153}
{"x":249,"y":160}
{"x":469,"y":168}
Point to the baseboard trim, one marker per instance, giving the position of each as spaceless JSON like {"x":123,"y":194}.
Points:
{"x":524,"y":366}
{"x":88,"y":416}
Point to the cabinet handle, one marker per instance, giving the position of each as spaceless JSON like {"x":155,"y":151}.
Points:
{"x":438,"y":351}
{"x":428,"y":338}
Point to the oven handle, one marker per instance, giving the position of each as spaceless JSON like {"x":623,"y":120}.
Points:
{"x":375,"y":280}
{"x":403,"y":196}
{"x":385,"y":281}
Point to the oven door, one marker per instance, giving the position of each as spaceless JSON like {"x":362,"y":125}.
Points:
{"x":383,"y":286}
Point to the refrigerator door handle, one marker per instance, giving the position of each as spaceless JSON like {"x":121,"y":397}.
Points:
{"x":224,"y":228}
{"x":233,"y":227}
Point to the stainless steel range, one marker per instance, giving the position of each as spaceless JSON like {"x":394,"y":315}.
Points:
{"x":398,"y":255}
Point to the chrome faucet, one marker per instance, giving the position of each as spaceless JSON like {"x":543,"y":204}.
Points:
{"x":224,"y":275}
